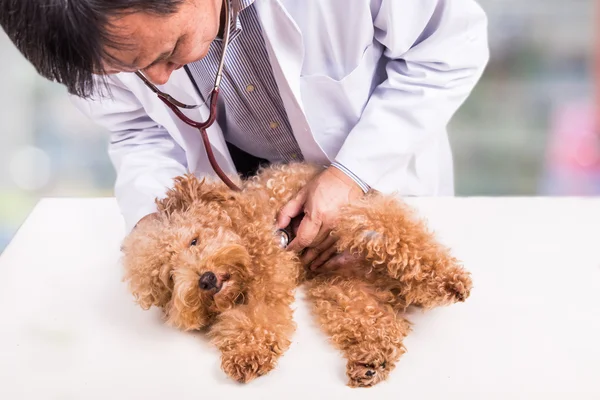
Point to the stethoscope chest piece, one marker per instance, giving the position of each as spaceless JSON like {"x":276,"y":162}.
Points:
{"x":283,"y":237}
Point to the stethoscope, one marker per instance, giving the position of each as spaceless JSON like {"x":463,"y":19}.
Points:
{"x":284,"y":236}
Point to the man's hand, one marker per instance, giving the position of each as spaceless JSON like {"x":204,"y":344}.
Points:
{"x":146,"y":219}
{"x":320,"y":201}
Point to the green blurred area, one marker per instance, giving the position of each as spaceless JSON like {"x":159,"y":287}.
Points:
{"x":14,"y":207}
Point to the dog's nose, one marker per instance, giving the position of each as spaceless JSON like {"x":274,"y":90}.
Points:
{"x":208,"y":281}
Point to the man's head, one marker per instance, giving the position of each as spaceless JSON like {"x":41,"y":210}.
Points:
{"x":70,"y":41}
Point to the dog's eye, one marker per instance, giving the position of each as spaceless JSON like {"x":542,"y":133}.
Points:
{"x":194,"y":242}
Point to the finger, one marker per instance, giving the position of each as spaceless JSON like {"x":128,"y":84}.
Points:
{"x":324,"y":257}
{"x":331,"y":264}
{"x":290,"y":210}
{"x":323,"y":235}
{"x":307,"y":232}
{"x":338,"y":261}
{"x":318,"y":248}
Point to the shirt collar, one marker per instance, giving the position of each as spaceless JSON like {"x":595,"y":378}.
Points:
{"x":237,"y":6}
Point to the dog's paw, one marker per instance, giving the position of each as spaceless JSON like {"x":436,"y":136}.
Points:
{"x":367,"y":375}
{"x":450,"y":287}
{"x":458,"y":289}
{"x":245,"y":365}
{"x":367,"y":366}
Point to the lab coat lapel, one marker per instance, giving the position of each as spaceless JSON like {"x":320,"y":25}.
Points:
{"x":285,"y":40}
{"x":284,"y":43}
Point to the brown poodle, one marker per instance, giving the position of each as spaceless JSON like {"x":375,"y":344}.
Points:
{"x":211,"y":261}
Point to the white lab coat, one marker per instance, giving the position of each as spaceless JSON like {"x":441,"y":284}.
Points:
{"x":369,"y":83}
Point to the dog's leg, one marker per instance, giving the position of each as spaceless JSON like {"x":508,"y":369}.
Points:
{"x":251,"y":338}
{"x":386,"y":234}
{"x":360,"y":323}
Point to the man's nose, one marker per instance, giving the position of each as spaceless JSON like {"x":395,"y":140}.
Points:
{"x":208,"y":281}
{"x":160,"y":74}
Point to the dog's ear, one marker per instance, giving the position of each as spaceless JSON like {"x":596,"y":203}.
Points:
{"x":185,"y":191}
{"x":188,"y":190}
{"x":146,"y":259}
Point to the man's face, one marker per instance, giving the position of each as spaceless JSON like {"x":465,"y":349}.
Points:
{"x":158,"y":45}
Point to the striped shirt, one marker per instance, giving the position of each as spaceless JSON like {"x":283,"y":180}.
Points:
{"x":250,"y":110}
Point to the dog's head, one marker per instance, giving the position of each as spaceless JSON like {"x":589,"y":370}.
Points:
{"x":188,"y":260}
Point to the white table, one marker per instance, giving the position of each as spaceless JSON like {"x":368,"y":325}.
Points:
{"x":531,"y":329}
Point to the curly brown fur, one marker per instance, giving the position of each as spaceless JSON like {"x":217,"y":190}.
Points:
{"x":210,"y":261}
{"x":386,"y":235}
{"x":361,"y":322}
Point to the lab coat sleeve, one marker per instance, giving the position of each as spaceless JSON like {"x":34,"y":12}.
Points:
{"x":144,"y":155}
{"x":436,"y":51}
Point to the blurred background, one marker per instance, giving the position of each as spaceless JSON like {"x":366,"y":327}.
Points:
{"x":527,"y":129}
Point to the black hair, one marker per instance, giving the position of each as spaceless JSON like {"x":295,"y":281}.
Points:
{"x":65,"y":40}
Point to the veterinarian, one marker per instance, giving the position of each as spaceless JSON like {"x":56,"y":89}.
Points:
{"x":365,"y":87}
